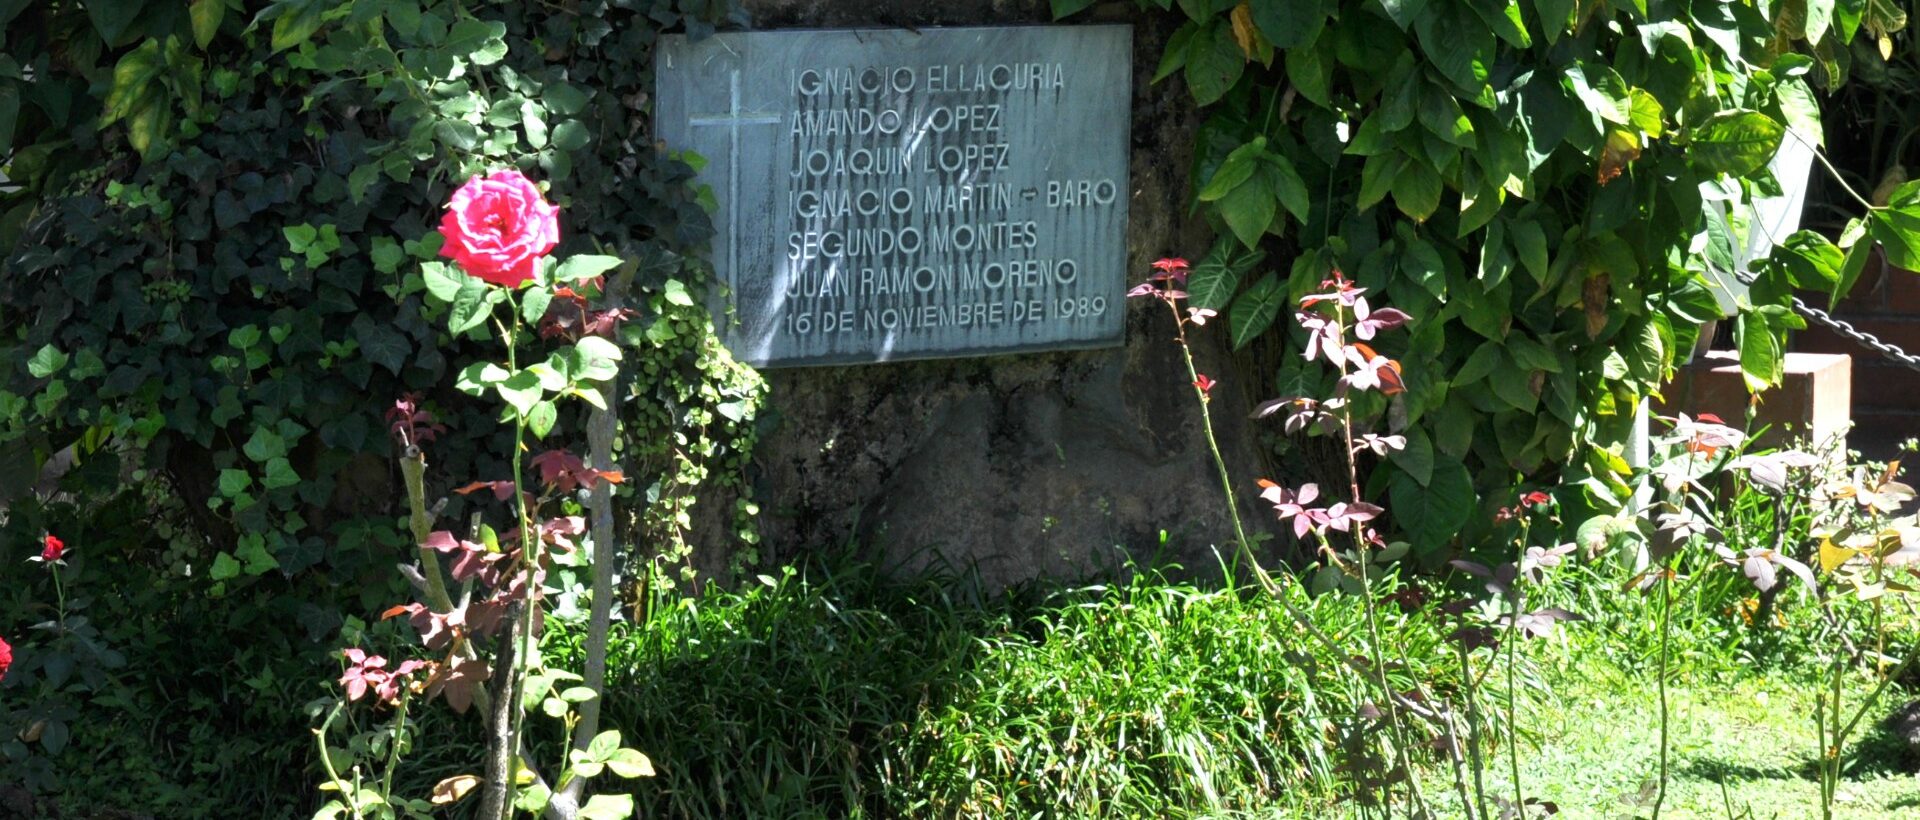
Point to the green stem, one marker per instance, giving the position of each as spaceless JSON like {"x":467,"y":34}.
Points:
{"x":340,"y":787}
{"x":529,"y":559}
{"x":1473,"y":730}
{"x":60,"y":597}
{"x":413,"y":467}
{"x":1513,"y":714}
{"x":1206,"y":424}
{"x":394,"y":738}
{"x":1660,"y":681}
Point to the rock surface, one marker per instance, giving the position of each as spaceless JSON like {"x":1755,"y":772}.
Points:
{"x":1055,"y":465}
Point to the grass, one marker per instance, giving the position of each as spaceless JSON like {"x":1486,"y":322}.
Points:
{"x":832,"y":692}
{"x":1596,"y":740}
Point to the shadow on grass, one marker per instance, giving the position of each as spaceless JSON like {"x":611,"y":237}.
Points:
{"x":1877,"y":754}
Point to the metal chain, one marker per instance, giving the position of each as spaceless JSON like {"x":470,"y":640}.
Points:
{"x":1841,"y":327}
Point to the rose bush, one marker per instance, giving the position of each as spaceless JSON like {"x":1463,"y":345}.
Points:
{"x":498,"y":226}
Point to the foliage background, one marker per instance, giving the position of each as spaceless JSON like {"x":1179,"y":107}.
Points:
{"x":212,"y":288}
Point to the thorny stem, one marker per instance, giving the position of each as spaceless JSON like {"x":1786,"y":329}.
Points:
{"x":413,"y":466}
{"x":529,"y":559}
{"x":1206,"y":423}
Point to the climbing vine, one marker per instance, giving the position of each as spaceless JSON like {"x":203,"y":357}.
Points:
{"x":218,"y":267}
{"x":1557,"y":188}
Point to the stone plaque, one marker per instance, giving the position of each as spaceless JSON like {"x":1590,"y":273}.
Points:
{"x":895,"y":194}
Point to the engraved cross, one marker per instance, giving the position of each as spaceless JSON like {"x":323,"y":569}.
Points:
{"x":733,"y":119}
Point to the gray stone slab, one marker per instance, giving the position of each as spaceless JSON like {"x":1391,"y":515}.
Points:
{"x":892,"y":194}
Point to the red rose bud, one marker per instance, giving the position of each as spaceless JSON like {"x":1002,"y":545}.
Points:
{"x":6,"y":658}
{"x":53,"y":549}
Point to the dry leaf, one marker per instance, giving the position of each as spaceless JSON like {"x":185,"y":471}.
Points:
{"x":451,"y":790}
{"x":1243,"y":30}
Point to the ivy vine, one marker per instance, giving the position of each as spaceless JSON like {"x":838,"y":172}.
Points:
{"x":211,"y":270}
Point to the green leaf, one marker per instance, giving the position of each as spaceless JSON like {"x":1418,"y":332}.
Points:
{"x":1288,"y":185}
{"x":1256,"y":309}
{"x":533,"y":306}
{"x":1479,"y":364}
{"x":265,"y":444}
{"x":113,"y":19}
{"x":571,"y":135}
{"x":1646,"y":113}
{"x":1416,"y":190}
{"x":253,"y":551}
{"x":629,"y":763}
{"x":1421,"y":263}
{"x":1433,"y":513}
{"x":279,"y":474}
{"x":472,"y":306}
{"x":536,"y":128}
{"x":1377,"y":177}
{"x":132,"y":78}
{"x":1898,"y":232}
{"x":1801,"y":110}
{"x":298,"y":22}
{"x":46,"y":362}
{"x":1513,"y":385}
{"x":1311,"y":71}
{"x":1760,"y":359}
{"x":1416,"y":459}
{"x":1214,"y":62}
{"x":582,"y":267}
{"x":521,"y":390}
{"x":541,"y":418}
{"x":1855,"y":264}
{"x":1234,"y":170}
{"x":1174,"y":57}
{"x":676,"y":293}
{"x":1812,"y":262}
{"x":443,"y":281}
{"x":607,"y":807}
{"x":475,"y":378}
{"x":224,"y":567}
{"x":1288,"y":23}
{"x":386,"y":254}
{"x":382,"y":344}
{"x":1735,"y":142}
{"x":1404,"y":12}
{"x":1214,"y":279}
{"x":1063,"y":8}
{"x":206,"y":16}
{"x":233,"y":482}
{"x":1530,"y":242}
{"x":1249,"y":208}
{"x":603,"y":745}
{"x":534,"y":799}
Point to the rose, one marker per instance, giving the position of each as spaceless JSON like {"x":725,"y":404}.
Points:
{"x":6,"y":658}
{"x":52,"y":549}
{"x":498,"y":226}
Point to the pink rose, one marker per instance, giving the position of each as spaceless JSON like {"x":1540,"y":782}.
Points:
{"x":6,"y":658}
{"x":498,"y":226}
